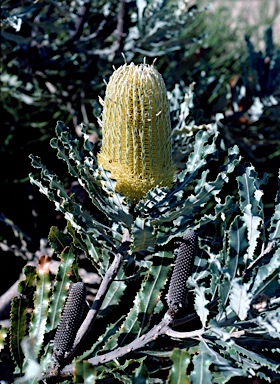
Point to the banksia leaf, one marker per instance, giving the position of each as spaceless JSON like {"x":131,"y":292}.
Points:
{"x":41,"y":304}
{"x":58,"y":240}
{"x":18,"y":315}
{"x":136,"y":146}
{"x":240,"y":298}
{"x":61,"y":287}
{"x":182,"y":269}
{"x":70,"y":321}
{"x":274,"y":230}
{"x":178,"y":373}
{"x":18,"y":328}
{"x":201,"y":372}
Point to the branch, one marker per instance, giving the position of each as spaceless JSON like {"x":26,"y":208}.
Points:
{"x":103,"y":289}
{"x":82,"y":16}
{"x":160,"y":329}
{"x":197,"y":334}
{"x":157,"y":330}
{"x":6,"y":298}
{"x":184,"y":335}
{"x":183,"y":263}
{"x":118,"y":32}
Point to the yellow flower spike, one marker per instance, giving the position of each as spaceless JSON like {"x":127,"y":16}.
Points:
{"x":136,"y":145}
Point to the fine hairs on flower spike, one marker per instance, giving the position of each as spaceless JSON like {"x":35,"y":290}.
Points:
{"x":176,"y":296}
{"x":70,"y":321}
{"x":136,"y":129}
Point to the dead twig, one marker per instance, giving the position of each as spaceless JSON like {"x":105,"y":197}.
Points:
{"x":82,"y":16}
{"x":118,"y":33}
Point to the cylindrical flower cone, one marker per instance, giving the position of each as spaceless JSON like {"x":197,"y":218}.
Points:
{"x":136,"y":145}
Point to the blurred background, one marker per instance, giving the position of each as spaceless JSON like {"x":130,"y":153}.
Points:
{"x":56,"y":55}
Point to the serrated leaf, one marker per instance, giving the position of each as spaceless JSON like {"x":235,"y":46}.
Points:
{"x":264,"y":272}
{"x":160,"y":200}
{"x":117,"y":202}
{"x":154,"y":197}
{"x":19,"y":314}
{"x":110,"y":331}
{"x":182,"y":213}
{"x":223,"y":364}
{"x":222,"y":377}
{"x":210,"y":264}
{"x":26,"y":286}
{"x":114,"y":294}
{"x":85,"y":168}
{"x":222,"y":210}
{"x":201,"y":149}
{"x":81,"y":220}
{"x":18,"y":328}
{"x":256,"y":358}
{"x":240,"y":298}
{"x":141,"y":375}
{"x":41,"y":305}
{"x":251,"y":206}
{"x":178,"y":373}
{"x":118,"y":372}
{"x":201,"y":373}
{"x":61,"y":154}
{"x":249,"y":189}
{"x":252,"y":222}
{"x":200,"y":303}
{"x":58,"y":240}
{"x":152,"y":287}
{"x":60,"y":289}
{"x":274,"y":230}
{"x":237,"y":245}
{"x":94,"y":253}
{"x":81,"y":242}
{"x":143,"y":236}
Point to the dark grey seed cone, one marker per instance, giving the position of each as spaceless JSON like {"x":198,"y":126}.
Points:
{"x":183,"y":267}
{"x":70,"y":321}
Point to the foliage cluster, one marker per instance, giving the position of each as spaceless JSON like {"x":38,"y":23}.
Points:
{"x":55,"y":58}
{"x":232,"y":317}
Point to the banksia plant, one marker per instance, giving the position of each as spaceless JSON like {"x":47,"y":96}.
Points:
{"x":70,"y":321}
{"x":176,"y":297}
{"x":136,"y":146}
{"x":233,"y":329}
